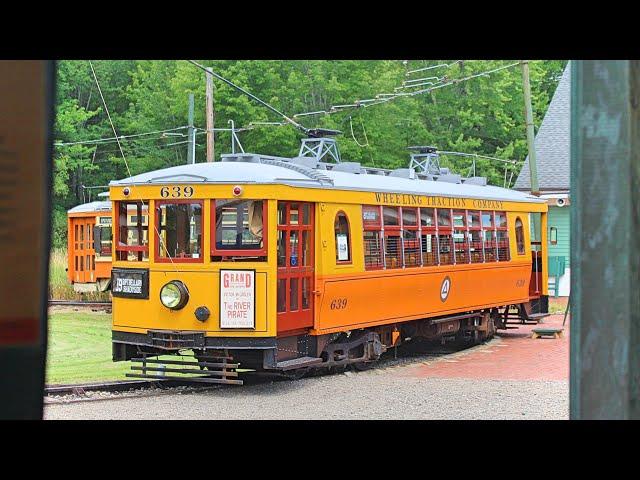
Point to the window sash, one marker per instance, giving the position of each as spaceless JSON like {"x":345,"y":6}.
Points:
{"x":241,"y":252}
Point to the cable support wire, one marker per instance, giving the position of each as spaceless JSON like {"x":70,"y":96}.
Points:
{"x":121,"y":137}
{"x":249,"y":94}
{"x":447,"y":65}
{"x":389,"y":97}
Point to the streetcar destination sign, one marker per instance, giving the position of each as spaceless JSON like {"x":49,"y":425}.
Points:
{"x":130,"y":283}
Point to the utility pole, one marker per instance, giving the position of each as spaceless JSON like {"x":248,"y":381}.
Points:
{"x":191,"y":138}
{"x":210,"y":118}
{"x":528,"y":115}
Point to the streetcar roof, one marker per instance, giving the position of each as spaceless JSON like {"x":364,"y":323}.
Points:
{"x":91,"y":207}
{"x":254,"y":172}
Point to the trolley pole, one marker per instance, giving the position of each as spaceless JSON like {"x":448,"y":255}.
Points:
{"x":191,"y":137}
{"x":211,"y":119}
{"x":528,"y":115}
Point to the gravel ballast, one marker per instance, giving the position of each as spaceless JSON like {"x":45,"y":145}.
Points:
{"x":384,"y":393}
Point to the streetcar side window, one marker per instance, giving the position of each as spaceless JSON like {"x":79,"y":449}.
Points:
{"x":372,"y":236}
{"x":410,"y":237}
{"x":132,"y":231}
{"x":180,"y":231}
{"x":502,"y":236}
{"x":237,"y":229}
{"x":428,"y":237}
{"x":342,"y":237}
{"x":519,"y":236}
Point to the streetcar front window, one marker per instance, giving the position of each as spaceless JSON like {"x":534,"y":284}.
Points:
{"x":238,"y":228}
{"x":132,"y":231}
{"x":180,"y":230}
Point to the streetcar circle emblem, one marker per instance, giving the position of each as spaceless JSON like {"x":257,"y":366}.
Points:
{"x":445,"y":288}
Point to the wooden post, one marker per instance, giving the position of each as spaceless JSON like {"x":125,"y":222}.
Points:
{"x":528,"y":116}
{"x":605,"y":236}
{"x":191,"y":138}
{"x":210,"y":118}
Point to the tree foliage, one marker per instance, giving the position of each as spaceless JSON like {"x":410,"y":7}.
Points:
{"x":484,"y":115}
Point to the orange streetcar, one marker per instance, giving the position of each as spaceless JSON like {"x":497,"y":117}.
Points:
{"x":89,"y":246}
{"x":288,"y":264}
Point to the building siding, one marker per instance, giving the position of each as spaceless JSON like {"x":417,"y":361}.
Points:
{"x":559,"y":218}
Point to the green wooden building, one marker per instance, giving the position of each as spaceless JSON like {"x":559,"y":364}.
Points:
{"x":552,"y":154}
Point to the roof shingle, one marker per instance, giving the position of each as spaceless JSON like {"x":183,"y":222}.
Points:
{"x":552,"y":142}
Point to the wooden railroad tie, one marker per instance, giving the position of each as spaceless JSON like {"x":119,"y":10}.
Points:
{"x":547,"y":332}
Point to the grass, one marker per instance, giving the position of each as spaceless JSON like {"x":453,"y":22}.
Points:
{"x":60,"y":287}
{"x":80,"y":348}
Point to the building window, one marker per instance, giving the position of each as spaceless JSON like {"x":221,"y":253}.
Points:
{"x":519,"y":236}
{"x":553,"y":236}
{"x":132,"y":233}
{"x":343,"y":239}
{"x":179,"y":231}
{"x":238,"y":228}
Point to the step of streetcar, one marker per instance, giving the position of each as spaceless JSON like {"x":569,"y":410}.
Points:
{"x":298,"y":363}
{"x":537,"y":316}
{"x":216,"y":371}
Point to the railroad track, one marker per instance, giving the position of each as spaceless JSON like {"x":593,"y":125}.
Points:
{"x":74,"y":303}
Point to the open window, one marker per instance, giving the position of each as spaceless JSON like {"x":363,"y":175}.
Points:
{"x":132,"y":231}
{"x":411,"y":237}
{"x":393,"y":257}
{"x":445,"y":237}
{"x":372,"y":237}
{"x":460,"y":237}
{"x":502,"y":236}
{"x":238,"y":229}
{"x":342,"y":238}
{"x":476,"y":250}
{"x":179,"y":225}
{"x":489,"y":237}
{"x":428,"y":237}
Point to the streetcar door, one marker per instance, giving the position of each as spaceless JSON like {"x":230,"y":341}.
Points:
{"x":295,"y":266}
{"x":83,"y":255}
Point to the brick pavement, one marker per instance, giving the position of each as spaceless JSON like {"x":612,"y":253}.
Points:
{"x":515,"y":356}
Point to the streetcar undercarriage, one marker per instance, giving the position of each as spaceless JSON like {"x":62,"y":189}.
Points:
{"x":220,"y":357}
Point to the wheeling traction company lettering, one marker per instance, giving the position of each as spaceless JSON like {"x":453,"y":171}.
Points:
{"x":406,"y":199}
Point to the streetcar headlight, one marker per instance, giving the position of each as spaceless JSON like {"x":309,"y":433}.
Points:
{"x":174,"y":295}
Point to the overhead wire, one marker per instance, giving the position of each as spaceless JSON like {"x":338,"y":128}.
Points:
{"x":249,"y":94}
{"x":121,"y":137}
{"x":126,"y":163}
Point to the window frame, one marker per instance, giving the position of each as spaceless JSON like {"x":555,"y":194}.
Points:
{"x":335,"y":238}
{"x":260,"y":252}
{"x":471,"y":228}
{"x":368,"y":226}
{"x":504,"y":229}
{"x":116,"y":238}
{"x":412,"y":228}
{"x":429,"y":230}
{"x":518,"y":243}
{"x":170,"y":259}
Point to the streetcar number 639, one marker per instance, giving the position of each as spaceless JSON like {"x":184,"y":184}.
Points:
{"x":176,"y":192}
